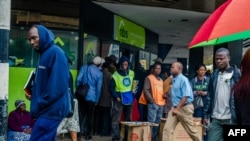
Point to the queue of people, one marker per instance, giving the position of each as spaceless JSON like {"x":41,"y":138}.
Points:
{"x":223,"y":96}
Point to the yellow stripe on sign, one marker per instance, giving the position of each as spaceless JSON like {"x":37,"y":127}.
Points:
{"x":59,"y":40}
{"x":89,"y":47}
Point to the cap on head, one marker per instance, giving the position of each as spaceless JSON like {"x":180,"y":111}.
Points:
{"x":123,"y":59}
{"x":98,"y":61}
{"x":19,"y":102}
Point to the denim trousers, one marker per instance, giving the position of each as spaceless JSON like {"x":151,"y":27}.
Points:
{"x":154,"y":115}
{"x":215,"y":132}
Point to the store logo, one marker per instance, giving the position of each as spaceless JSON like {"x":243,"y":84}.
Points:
{"x":123,"y":31}
{"x":126,"y":82}
{"x":59,"y":41}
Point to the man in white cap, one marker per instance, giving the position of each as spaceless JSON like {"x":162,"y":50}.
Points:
{"x":92,"y":75}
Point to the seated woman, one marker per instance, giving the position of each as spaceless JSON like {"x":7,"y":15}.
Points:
{"x":20,"y":123}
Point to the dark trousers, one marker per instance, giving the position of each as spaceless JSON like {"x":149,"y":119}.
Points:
{"x":86,"y":117}
{"x":117,"y":111}
{"x":143,"y":110}
{"x":102,"y":124}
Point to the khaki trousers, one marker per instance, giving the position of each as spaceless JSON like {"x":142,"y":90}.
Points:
{"x":185,"y":117}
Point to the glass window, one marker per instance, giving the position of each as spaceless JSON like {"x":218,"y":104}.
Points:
{"x":152,"y":58}
{"x":22,"y":55}
{"x":144,"y":59}
{"x":91,"y":48}
{"x":20,"y":52}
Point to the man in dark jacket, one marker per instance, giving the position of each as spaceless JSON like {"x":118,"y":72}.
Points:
{"x":49,"y":98}
{"x":121,"y":85}
{"x":219,"y":106}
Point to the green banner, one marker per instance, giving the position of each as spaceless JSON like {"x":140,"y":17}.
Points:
{"x":17,"y":79}
{"x":127,"y":32}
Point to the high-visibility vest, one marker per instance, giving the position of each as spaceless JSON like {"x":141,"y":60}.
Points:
{"x":157,"y":91}
{"x":123,"y":83}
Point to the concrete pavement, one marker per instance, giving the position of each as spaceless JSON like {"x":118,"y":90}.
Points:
{"x":66,"y":137}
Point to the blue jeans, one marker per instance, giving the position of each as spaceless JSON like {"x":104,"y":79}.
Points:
{"x":154,"y":115}
{"x":215,"y":132}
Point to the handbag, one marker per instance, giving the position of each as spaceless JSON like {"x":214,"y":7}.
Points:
{"x":71,"y":104}
{"x":82,"y":89}
{"x":198,"y":102}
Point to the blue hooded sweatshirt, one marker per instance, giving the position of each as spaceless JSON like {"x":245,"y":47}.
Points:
{"x":50,"y":97}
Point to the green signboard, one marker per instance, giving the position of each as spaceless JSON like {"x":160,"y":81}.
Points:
{"x":17,"y":79}
{"x":127,"y":32}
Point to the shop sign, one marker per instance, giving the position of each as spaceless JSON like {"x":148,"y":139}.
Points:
{"x":128,"y":32}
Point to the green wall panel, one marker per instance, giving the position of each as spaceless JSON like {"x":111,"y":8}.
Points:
{"x":17,"y":80}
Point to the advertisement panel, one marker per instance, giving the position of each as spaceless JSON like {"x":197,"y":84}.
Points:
{"x":128,"y":32}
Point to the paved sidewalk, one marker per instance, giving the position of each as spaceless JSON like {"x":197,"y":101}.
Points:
{"x":66,"y":137}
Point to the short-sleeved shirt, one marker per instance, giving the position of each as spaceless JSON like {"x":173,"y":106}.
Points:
{"x":181,"y":88}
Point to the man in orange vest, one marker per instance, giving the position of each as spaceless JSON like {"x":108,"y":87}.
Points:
{"x":153,"y":91}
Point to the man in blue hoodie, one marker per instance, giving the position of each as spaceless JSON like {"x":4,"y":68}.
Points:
{"x":49,"y":98}
{"x":121,"y":91}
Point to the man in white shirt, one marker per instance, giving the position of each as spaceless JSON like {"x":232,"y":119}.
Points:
{"x":219,"y":106}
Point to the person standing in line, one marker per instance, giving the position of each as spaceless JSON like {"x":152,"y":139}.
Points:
{"x":242,"y":92}
{"x":105,"y":101}
{"x":92,"y":75}
{"x":49,"y":98}
{"x":199,"y":84}
{"x":121,"y":85}
{"x":220,"y":107}
{"x":113,"y":65}
{"x":140,"y":75}
{"x":153,"y":91}
{"x":182,"y":108}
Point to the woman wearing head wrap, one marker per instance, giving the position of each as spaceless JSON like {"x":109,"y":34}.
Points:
{"x":20,"y":123}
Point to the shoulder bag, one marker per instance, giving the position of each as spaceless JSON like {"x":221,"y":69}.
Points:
{"x":82,"y":89}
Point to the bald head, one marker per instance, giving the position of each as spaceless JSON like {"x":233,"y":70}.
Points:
{"x":179,"y":65}
{"x":176,"y":68}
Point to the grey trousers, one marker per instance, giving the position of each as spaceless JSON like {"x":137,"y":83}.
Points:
{"x":117,"y":111}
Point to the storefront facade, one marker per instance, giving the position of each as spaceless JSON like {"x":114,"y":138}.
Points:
{"x":96,"y":31}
